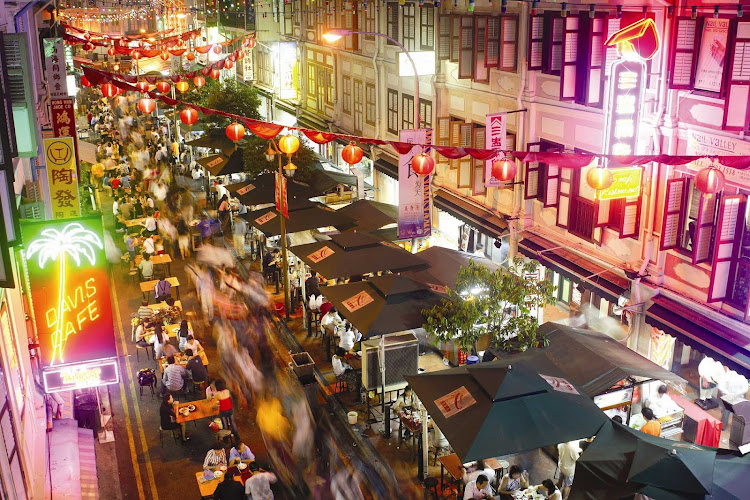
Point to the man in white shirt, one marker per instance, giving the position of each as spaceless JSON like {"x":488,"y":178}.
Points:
{"x":568,"y":454}
{"x":149,"y":245}
{"x":330,"y":321}
{"x":151,"y":223}
{"x":480,"y":488}
{"x":258,"y":486}
{"x":221,"y":190}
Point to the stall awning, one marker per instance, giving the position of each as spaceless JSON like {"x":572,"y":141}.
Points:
{"x":386,"y":167}
{"x":477,"y":217}
{"x":574,"y":267}
{"x":729,"y":346}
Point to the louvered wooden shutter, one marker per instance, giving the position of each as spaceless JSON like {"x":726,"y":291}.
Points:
{"x":684,"y":52}
{"x":7,"y":102}
{"x":481,"y":72}
{"x":569,"y":58}
{"x":444,"y":37}
{"x":443,"y":132}
{"x":727,"y":241}
{"x":536,"y":42}
{"x":704,"y":228}
{"x":509,"y":43}
{"x":590,"y":87}
{"x":466,"y":55}
{"x":427,"y":27}
{"x":673,"y":214}
{"x":465,"y":163}
{"x":603,"y":212}
{"x":610,"y":53}
{"x":738,"y":89}
{"x":630,"y":218}
{"x":20,"y":89}
{"x":552,"y":182}
{"x":565,"y":195}
{"x":478,"y":187}
{"x":455,"y":138}
{"x":531,"y":180}
{"x":392,"y":21}
{"x":553,"y":39}
{"x":492,"y":43}
{"x":455,"y":37}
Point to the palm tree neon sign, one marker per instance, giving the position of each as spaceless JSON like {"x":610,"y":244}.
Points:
{"x":72,"y":241}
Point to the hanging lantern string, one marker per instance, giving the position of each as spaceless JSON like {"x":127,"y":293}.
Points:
{"x":562,"y":160}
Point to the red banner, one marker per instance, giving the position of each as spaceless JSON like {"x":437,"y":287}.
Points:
{"x":64,"y":124}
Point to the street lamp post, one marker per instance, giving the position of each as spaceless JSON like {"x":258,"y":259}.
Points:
{"x":337,"y":33}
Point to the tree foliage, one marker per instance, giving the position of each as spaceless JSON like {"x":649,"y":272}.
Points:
{"x":499,"y":305}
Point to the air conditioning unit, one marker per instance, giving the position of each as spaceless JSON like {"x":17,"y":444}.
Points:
{"x":401,"y":359}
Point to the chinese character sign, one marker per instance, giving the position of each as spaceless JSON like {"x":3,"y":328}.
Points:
{"x":495,"y":138}
{"x":63,"y":181}
{"x":626,"y":99}
{"x":70,"y":295}
{"x":54,"y":64}
{"x":414,"y":203}
{"x":64,"y":122}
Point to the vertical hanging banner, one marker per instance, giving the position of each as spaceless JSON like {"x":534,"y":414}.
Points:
{"x":496,"y":137}
{"x":282,"y":205}
{"x":54,"y":65}
{"x":64,"y":123}
{"x":414,"y":200}
{"x":59,"y":153}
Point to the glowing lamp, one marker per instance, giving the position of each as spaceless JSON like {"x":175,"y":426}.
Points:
{"x":146,"y":105}
{"x":215,"y":73}
{"x":164,"y":55}
{"x":352,"y":154}
{"x":142,"y":86}
{"x":504,"y":170}
{"x":182,"y":86}
{"x":111,"y":51}
{"x":188,"y":116}
{"x":423,"y":164}
{"x":109,"y":90}
{"x":290,"y":169}
{"x":217,"y":49}
{"x":162,"y":87}
{"x":116,"y":68}
{"x":199,"y":81}
{"x":85,"y":81}
{"x":235,"y":131}
{"x":709,"y":180}
{"x":190,"y":56}
{"x":289,"y":144}
{"x":599,"y":178}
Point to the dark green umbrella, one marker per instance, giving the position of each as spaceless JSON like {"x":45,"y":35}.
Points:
{"x":445,"y":263}
{"x":371,"y":215}
{"x":262,"y":190}
{"x":213,"y":139}
{"x":671,"y":465}
{"x":493,"y":409}
{"x":224,"y":164}
{"x":311,"y":216}
{"x":731,"y":477}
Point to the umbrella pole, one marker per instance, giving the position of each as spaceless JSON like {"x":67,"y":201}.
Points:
{"x":424,"y":472}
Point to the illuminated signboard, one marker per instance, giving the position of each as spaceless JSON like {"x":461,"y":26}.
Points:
{"x":61,"y":173}
{"x":626,"y":183}
{"x":79,"y":376}
{"x":286,"y":75}
{"x":70,"y":296}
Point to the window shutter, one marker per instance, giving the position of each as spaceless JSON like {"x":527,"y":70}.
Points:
{"x":569,"y":58}
{"x":673,"y":213}
{"x":444,"y":40}
{"x":392,"y":21}
{"x":531,"y":181}
{"x":427,"y":27}
{"x":553,"y":40}
{"x":630,"y":218}
{"x":738,"y":93}
{"x":443,"y":132}
{"x":455,"y":37}
{"x":508,"y":43}
{"x":481,"y":72}
{"x":728,"y":235}
{"x":465,"y":163}
{"x":478,"y":187}
{"x":564,"y":196}
{"x":704,"y":228}
{"x":590,"y":87}
{"x":552,"y":180}
{"x":536,"y":42}
{"x":7,"y":101}
{"x":610,"y":53}
{"x":684,"y":52}
{"x":492,"y":43}
{"x":466,"y":55}
{"x":18,"y":61}
{"x":455,"y":138}
{"x":603,"y":212}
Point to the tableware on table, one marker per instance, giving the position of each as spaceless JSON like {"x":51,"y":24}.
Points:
{"x":218,"y":474}
{"x":242,"y":466}
{"x":191,"y":408}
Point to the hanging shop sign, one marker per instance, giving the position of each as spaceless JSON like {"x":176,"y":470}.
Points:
{"x":54,"y":65}
{"x":496,"y":137}
{"x":414,"y":201}
{"x":64,"y":123}
{"x":704,"y":143}
{"x":94,"y":374}
{"x":67,"y":271}
{"x":61,"y":174}
{"x":712,"y":56}
{"x":287,"y":73}
{"x":626,"y":183}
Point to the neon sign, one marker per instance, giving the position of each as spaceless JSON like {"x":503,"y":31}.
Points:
{"x":68,"y":277}
{"x":626,"y":183}
{"x":80,"y":376}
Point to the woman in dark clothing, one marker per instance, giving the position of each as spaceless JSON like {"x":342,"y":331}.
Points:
{"x":169,"y":418}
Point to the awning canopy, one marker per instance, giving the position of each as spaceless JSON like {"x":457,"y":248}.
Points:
{"x":371,"y":215}
{"x":573,"y":266}
{"x":223,"y":163}
{"x":388,"y":168}
{"x":479,"y":218}
{"x":729,"y":346}
{"x":445,"y":263}
{"x":262,"y":190}
{"x":313,"y":216}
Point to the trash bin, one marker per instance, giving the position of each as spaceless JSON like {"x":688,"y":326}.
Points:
{"x":303,"y":365}
{"x":86,"y":412}
{"x":352,"y":416}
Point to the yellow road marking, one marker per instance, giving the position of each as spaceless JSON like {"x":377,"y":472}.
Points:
{"x":133,"y":456}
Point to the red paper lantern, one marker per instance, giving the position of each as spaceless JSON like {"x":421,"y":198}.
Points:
{"x":352,"y":154}
{"x":215,"y":73}
{"x":199,"y":81}
{"x":249,"y":42}
{"x":233,"y":57}
{"x":146,"y":105}
{"x":164,"y":55}
{"x":111,"y":51}
{"x":423,"y":164}
{"x":162,"y":87}
{"x":109,"y":90}
{"x":85,"y":81}
{"x":142,"y":86}
{"x":235,"y":131}
{"x":240,"y":55}
{"x":228,"y":64}
{"x":136,"y":54}
{"x":709,"y":180}
{"x":289,"y":144}
{"x":504,"y":170}
{"x":190,"y":56}
{"x":182,"y":86}
{"x":188,"y":116}
{"x":599,"y":178}
{"x":217,"y":49}
{"x":88,"y":47}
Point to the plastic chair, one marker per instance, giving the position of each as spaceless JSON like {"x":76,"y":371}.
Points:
{"x":175,"y":435}
{"x":143,"y":345}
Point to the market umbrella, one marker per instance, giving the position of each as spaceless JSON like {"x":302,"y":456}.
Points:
{"x":493,"y":409}
{"x":262,"y":191}
{"x":224,"y":163}
{"x":382,"y":304}
{"x":371,"y":215}
{"x":676,"y":466}
{"x":445,"y":263}
{"x":325,"y":181}
{"x":310,"y":216}
{"x":354,"y":253}
{"x":731,"y":477}
{"x":213,"y":139}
